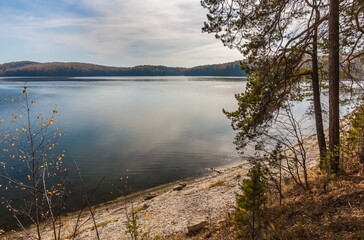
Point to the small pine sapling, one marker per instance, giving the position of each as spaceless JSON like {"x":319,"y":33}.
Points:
{"x":248,"y":218}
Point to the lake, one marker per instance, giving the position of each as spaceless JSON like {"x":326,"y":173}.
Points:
{"x":153,"y":130}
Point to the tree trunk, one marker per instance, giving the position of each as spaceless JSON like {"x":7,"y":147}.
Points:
{"x":334,"y":65}
{"x":361,"y":155}
{"x":253,"y":230}
{"x":317,"y":104}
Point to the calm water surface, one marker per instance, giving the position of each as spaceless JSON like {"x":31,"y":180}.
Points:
{"x":153,"y":130}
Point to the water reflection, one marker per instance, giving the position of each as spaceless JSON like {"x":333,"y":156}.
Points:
{"x":153,"y":131}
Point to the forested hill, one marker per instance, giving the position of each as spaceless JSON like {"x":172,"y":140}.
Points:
{"x":73,"y":69}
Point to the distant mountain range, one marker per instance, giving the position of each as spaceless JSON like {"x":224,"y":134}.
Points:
{"x":74,"y":69}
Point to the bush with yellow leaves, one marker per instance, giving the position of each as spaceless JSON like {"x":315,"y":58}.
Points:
{"x":30,"y":167}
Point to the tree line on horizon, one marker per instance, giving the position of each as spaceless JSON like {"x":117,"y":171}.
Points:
{"x":28,"y":68}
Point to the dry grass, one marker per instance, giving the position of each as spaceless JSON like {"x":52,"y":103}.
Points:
{"x":217,"y":183}
{"x":139,"y":209}
{"x":336,"y":214}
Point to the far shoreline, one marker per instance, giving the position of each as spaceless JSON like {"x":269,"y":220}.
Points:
{"x":118,"y":78}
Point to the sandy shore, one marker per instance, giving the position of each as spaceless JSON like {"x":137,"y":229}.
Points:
{"x":169,"y":211}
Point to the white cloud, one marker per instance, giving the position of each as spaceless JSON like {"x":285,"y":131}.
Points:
{"x":124,"y":32}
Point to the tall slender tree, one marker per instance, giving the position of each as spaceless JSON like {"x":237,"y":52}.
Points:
{"x":316,"y":85}
{"x":280,"y":39}
{"x":278,"y":53}
{"x":334,"y":86}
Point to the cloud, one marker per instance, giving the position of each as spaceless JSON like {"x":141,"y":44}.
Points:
{"x":114,"y":32}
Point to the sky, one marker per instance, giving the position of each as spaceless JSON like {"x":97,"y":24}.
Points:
{"x":109,"y":32}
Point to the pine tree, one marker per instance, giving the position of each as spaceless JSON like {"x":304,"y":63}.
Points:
{"x":250,"y":204}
